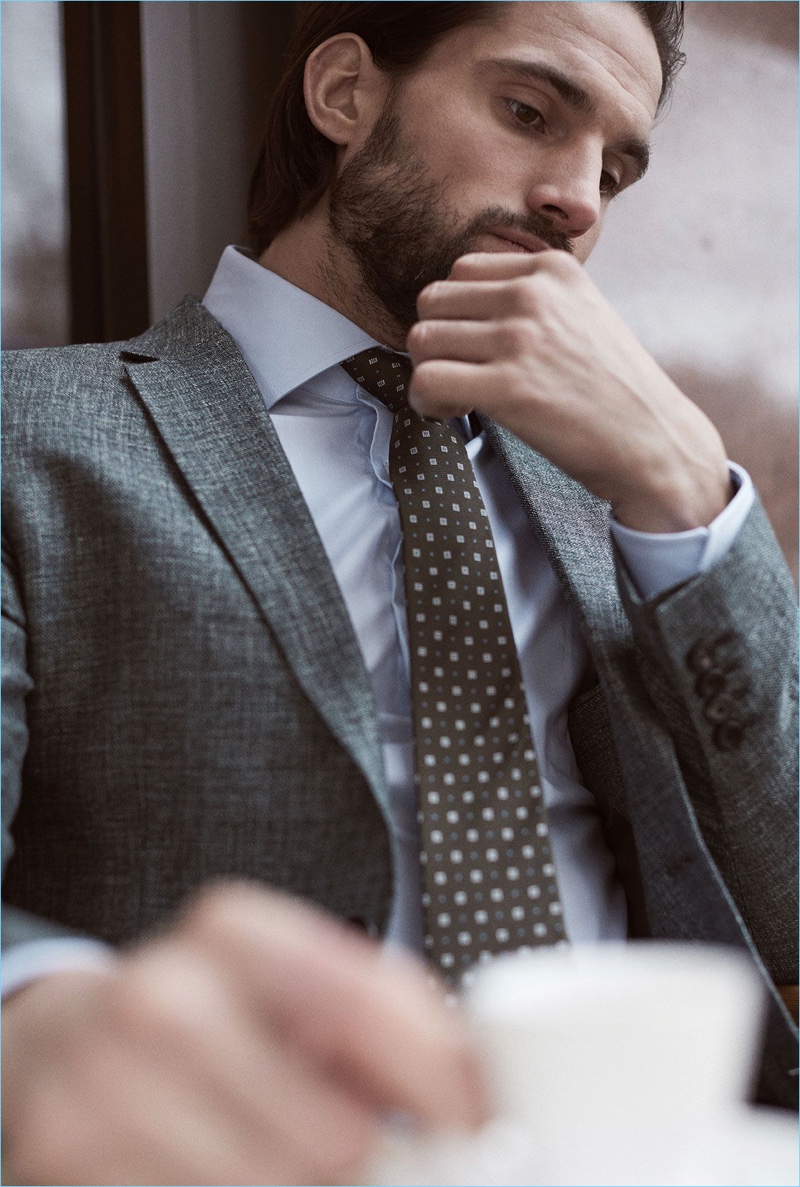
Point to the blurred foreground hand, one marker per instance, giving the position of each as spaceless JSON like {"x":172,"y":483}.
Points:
{"x":258,"y":1041}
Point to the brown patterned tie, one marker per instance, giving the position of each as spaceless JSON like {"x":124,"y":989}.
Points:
{"x":489,"y":879}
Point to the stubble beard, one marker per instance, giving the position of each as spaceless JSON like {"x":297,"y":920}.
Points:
{"x":395,"y":222}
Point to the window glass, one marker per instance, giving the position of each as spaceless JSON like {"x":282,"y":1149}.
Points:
{"x":35,"y":234}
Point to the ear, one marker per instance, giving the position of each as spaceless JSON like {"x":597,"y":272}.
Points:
{"x":344,"y":90}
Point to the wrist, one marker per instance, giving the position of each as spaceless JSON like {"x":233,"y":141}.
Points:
{"x":670,"y":503}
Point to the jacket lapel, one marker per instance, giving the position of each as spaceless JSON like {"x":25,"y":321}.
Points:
{"x":210,"y":414}
{"x":573,"y":523}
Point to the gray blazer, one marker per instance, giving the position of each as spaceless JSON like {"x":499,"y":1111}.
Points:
{"x":184,"y":697}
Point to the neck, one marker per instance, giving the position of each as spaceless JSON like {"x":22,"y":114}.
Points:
{"x":306,"y":254}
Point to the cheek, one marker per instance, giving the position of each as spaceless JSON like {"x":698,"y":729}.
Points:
{"x":456,"y":156}
{"x":456,"y":139}
{"x":479,"y":173}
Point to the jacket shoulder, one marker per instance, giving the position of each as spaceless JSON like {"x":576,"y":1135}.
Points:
{"x":21,"y":367}
{"x":59,"y":377}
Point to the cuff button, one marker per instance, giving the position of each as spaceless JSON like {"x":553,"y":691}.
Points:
{"x":719,"y":709}
{"x":700,"y":658}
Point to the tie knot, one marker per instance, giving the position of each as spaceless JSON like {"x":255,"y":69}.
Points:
{"x":383,"y":374}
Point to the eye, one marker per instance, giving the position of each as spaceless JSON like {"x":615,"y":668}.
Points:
{"x":524,"y":114}
{"x":609,"y":184}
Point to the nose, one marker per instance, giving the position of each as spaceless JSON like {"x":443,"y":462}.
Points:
{"x":566,"y":188}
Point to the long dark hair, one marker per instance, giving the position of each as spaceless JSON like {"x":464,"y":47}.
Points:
{"x":296,"y":162}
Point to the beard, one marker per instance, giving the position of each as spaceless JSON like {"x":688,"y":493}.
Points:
{"x":396,"y":222}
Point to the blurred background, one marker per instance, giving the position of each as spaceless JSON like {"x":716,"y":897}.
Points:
{"x":129,"y":131}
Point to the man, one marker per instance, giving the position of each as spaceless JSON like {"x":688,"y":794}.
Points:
{"x":209,"y":669}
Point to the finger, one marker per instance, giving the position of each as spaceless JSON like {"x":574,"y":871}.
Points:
{"x":239,"y":1073}
{"x":489,"y":265}
{"x":467,"y":341}
{"x":172,"y":1137}
{"x":442,"y":388}
{"x":185,"y":1138}
{"x":174,"y":1083}
{"x":482,"y":300}
{"x":168,"y":1135}
{"x":377,"y":1022}
{"x":111,"y":1118}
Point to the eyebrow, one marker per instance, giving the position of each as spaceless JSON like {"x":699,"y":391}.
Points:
{"x":576,"y":98}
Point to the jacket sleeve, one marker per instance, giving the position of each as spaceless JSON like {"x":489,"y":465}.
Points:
{"x":17,"y":926}
{"x":718,"y":656}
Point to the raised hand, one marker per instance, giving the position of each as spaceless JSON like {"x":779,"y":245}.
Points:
{"x":530,"y":341}
{"x":258,"y":1041}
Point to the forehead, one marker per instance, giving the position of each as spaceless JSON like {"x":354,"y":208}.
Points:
{"x":606,"y":48}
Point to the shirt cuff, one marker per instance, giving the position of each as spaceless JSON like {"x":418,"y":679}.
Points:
{"x":658,"y":561}
{"x":28,"y":962}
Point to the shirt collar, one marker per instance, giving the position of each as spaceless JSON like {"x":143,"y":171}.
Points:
{"x":285,"y":335}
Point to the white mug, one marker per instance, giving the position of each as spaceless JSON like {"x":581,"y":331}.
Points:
{"x":619,"y":1061}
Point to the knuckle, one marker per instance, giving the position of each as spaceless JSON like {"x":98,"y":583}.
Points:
{"x":465,"y":268}
{"x":213,"y":910}
{"x":427,"y":298}
{"x":525,"y":295}
{"x":423,"y":382}
{"x":417,"y":337}
{"x":561,"y":263}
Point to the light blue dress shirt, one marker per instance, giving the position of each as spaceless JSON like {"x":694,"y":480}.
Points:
{"x":336,"y":438}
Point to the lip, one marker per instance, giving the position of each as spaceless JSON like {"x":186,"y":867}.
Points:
{"x":520,"y":241}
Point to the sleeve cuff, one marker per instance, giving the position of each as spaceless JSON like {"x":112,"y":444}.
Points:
{"x":658,"y":561}
{"x":27,"y":962}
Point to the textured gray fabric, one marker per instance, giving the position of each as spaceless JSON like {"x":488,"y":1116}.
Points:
{"x":184,"y":697}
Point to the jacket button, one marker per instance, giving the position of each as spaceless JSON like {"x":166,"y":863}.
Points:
{"x":700,"y":658}
{"x":719,"y":709}
{"x":728,"y":735}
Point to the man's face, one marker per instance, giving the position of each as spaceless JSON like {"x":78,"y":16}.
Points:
{"x":513,"y":135}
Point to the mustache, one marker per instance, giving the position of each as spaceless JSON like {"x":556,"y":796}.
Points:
{"x":531,"y":224}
